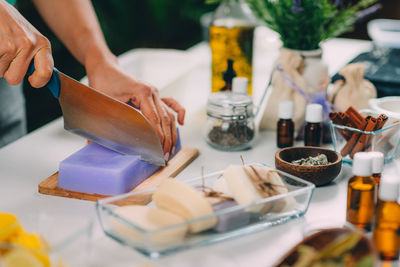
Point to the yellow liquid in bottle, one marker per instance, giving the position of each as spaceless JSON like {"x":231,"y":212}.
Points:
{"x":361,"y":194}
{"x":234,"y":43}
{"x":386,"y":235}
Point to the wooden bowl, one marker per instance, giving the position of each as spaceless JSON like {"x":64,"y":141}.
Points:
{"x":322,"y":238}
{"x":318,"y":175}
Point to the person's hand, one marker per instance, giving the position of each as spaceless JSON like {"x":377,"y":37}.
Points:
{"x":113,"y":81}
{"x":20,"y":42}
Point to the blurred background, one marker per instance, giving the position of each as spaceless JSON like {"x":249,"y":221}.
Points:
{"x":129,"y":24}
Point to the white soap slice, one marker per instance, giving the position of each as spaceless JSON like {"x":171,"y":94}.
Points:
{"x":149,"y":219}
{"x":245,"y":192}
{"x":241,"y":187}
{"x":220,"y":185}
{"x":186,"y":202}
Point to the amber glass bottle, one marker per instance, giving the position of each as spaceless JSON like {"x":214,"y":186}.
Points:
{"x":361,"y":192}
{"x":386,"y":235}
{"x":231,"y":38}
{"x":312,"y":130}
{"x":285,"y":127}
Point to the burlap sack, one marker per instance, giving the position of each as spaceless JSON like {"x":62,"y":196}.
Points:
{"x":308,"y":73}
{"x":354,"y":90}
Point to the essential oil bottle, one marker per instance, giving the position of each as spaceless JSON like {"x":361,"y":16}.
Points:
{"x":285,"y":128}
{"x":312,"y":130}
{"x":377,"y":165}
{"x":386,"y":234}
{"x":361,"y":192}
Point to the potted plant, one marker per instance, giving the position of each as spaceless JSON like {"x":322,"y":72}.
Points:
{"x":300,"y":75}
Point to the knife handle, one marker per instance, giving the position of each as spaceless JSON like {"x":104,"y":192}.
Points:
{"x":54,"y":83}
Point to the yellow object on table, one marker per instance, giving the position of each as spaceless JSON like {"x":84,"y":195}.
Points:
{"x":24,"y":249}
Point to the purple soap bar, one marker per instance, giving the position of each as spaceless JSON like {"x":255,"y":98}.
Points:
{"x":232,"y":220}
{"x":98,"y":170}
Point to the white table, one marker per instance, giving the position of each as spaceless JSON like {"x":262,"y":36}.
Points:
{"x":26,"y":162}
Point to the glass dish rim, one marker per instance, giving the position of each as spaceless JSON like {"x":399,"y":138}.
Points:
{"x":102,"y":203}
{"x":370,"y":111}
{"x":342,"y":127}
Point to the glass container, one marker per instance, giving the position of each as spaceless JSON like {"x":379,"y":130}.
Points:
{"x":385,"y":140}
{"x":144,"y":241}
{"x":231,"y":42}
{"x":230,"y":121}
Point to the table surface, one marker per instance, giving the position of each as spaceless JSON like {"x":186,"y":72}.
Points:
{"x":29,"y":160}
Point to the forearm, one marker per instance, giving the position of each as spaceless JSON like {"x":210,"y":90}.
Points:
{"x":76,"y":24}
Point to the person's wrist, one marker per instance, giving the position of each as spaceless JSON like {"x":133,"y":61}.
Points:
{"x":97,"y":60}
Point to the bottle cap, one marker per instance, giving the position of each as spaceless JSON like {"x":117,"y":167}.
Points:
{"x":389,"y":188}
{"x":285,"y":110}
{"x":362,"y":164}
{"x":239,"y":85}
{"x":377,"y":162}
{"x":314,"y":113}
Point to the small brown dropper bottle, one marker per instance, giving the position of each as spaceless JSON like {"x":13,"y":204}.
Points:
{"x":285,"y":127}
{"x":387,"y":219}
{"x":377,"y":165}
{"x":312,"y":130}
{"x":361,"y":192}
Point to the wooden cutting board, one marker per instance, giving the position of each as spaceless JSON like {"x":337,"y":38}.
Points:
{"x":182,"y":159}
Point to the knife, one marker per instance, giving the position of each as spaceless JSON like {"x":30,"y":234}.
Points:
{"x":104,"y":120}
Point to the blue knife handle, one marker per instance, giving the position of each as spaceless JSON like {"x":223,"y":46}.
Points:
{"x":53,"y":85}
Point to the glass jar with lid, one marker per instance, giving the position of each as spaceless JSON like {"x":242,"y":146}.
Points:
{"x":230,"y":121}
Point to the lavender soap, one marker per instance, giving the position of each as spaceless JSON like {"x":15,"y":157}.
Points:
{"x":95,"y":169}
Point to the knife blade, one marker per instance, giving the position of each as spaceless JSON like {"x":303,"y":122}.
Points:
{"x":104,"y":120}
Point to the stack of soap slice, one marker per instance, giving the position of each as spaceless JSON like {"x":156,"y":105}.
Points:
{"x":98,"y":170}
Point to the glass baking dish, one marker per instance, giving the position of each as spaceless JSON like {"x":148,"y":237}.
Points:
{"x":146,"y":241}
{"x":385,"y":140}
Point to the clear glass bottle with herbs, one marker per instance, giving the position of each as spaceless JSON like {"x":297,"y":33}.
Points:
{"x":231,"y":42}
{"x":230,"y":121}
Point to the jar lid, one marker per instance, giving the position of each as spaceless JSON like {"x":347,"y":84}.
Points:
{"x":228,"y":104}
{"x":314,"y":113}
{"x":389,"y":188}
{"x":239,"y":85}
{"x":285,"y":110}
{"x":362,"y":164}
{"x":378,"y":161}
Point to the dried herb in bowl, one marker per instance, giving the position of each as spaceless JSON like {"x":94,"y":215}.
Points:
{"x":320,"y":159}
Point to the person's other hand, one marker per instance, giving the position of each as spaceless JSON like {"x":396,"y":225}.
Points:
{"x":20,"y":42}
{"x":113,"y":81}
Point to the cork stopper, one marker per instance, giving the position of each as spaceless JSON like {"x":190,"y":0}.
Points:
{"x":314,"y":113}
{"x":362,"y":164}
{"x":285,"y":110}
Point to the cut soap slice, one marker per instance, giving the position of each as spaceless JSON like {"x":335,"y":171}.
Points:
{"x":98,"y":170}
{"x":245,"y":192}
{"x":186,"y":202}
{"x":241,"y":187}
{"x":150,"y":219}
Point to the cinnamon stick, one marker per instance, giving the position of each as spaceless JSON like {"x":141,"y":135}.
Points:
{"x":364,"y":138}
{"x":381,"y":120}
{"x":356,"y":118}
{"x":355,"y":136}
